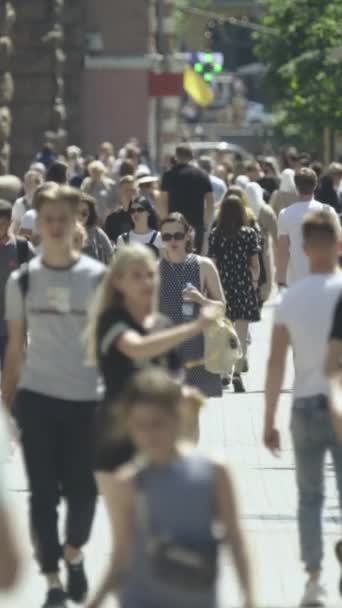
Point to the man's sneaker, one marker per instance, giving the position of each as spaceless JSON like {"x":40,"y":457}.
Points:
{"x":77,"y":584}
{"x":338,"y":551}
{"x":314,"y":594}
{"x":56,"y":598}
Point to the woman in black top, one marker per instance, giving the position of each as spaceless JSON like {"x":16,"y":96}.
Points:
{"x":125,"y":334}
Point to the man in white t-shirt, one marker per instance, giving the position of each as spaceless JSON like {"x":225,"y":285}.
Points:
{"x":303,"y":320}
{"x":292,"y":264}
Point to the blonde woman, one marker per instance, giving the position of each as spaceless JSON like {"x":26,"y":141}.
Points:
{"x":126,"y":333}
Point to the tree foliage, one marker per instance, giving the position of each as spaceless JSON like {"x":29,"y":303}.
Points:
{"x":304,"y":76}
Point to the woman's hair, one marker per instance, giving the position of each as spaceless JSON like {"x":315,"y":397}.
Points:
{"x":107,"y":297}
{"x":237,"y":191}
{"x":180,"y":219}
{"x":93,"y":218}
{"x":57,"y":172}
{"x":153,"y":387}
{"x":232,"y":216}
{"x":80,"y":236}
{"x":153,"y":221}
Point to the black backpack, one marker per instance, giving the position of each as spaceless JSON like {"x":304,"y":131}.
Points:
{"x":150,"y":244}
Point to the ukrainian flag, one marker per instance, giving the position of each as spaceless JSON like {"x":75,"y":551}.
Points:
{"x":194,"y":85}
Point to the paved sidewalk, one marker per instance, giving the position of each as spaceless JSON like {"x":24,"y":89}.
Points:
{"x":230,"y":428}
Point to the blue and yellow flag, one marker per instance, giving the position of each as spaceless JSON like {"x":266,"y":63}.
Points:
{"x":194,"y":85}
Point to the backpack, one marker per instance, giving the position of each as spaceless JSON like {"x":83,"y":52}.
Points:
{"x":150,"y":244}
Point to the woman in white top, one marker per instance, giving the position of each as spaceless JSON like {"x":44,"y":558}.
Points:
{"x":145,"y":224}
{"x":32,"y":180}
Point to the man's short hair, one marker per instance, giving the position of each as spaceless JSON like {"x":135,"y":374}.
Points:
{"x":184,"y":152}
{"x":51,"y":192}
{"x":319,"y":227}
{"x":251,"y":165}
{"x":306,"y":181}
{"x":5,"y":209}
{"x":206,"y":164}
{"x":335,"y":169}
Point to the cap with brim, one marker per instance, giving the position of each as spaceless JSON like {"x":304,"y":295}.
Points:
{"x":147,"y":179}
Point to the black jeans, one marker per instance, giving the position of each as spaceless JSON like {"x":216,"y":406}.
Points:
{"x":58,"y":446}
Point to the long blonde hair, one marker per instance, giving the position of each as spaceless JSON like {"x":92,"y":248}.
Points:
{"x":107,"y":297}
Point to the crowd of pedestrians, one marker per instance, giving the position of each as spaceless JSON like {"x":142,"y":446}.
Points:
{"x":112,"y":282}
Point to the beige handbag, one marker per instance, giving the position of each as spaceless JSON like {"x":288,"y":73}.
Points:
{"x":222,"y":348}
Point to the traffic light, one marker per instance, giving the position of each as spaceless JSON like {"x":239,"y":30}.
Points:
{"x":206,"y":64}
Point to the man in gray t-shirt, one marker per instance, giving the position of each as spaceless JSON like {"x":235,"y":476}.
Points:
{"x":55,"y":390}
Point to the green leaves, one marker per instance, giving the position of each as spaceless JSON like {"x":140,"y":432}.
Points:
{"x":304,"y":79}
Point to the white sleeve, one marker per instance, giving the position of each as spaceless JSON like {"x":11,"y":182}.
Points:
{"x":282,"y":224}
{"x":120,"y":242}
{"x":17,"y":211}
{"x":281,"y":311}
{"x":158,"y":242}
{"x":14,"y":302}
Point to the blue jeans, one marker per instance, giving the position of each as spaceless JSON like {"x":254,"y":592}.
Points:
{"x":313,"y":436}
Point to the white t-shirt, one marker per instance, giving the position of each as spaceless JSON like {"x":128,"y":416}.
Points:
{"x":290,"y":224}
{"x":19,"y":208}
{"x":145,"y":239}
{"x":306,"y":310}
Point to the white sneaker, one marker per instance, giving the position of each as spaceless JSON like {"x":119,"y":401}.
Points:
{"x":314,"y":594}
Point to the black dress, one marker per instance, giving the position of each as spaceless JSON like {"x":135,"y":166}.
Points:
{"x":117,"y":369}
{"x":232,"y":257}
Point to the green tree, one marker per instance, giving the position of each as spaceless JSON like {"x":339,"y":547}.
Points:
{"x":304,"y":75}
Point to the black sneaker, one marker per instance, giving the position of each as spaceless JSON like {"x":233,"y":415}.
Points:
{"x":226,"y":380}
{"x":338,"y":551}
{"x":77,"y":584}
{"x":56,"y":598}
{"x":238,"y":384}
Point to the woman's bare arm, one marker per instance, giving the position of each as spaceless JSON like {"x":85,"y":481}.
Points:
{"x":254,"y":266}
{"x":122,"y":510}
{"x":228,"y":514}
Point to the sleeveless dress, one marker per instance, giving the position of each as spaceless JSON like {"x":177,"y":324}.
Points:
{"x":180,"y":503}
{"x":173,"y":280}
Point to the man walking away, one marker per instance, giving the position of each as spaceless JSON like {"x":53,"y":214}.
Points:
{"x":303,"y":320}
{"x":188,"y":190}
{"x":292,"y":264}
{"x":56,"y":389}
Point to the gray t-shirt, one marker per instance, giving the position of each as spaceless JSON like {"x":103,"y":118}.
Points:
{"x":55,"y":307}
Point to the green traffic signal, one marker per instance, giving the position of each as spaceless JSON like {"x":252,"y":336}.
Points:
{"x":198,"y":67}
{"x":218,"y":68}
{"x":208,"y":77}
{"x":208,"y":58}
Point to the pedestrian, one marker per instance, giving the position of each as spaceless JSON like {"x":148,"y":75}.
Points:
{"x":14,"y":251}
{"x":54,"y":390}
{"x":102,"y":188}
{"x":145,"y":229}
{"x":303,"y":321}
{"x":106,"y":156}
{"x":188,"y":282}
{"x":188,"y":190}
{"x":334,"y":356}
{"x":32,"y":180}
{"x":165,"y":552}
{"x":292,"y":263}
{"x":218,"y":185}
{"x":57,"y":172}
{"x":120,"y":220}
{"x":98,"y":245}
{"x":124,"y":334}
{"x":329,"y":187}
{"x":234,"y":247}
{"x":148,"y":187}
{"x":267,"y":221}
{"x":287,"y":193}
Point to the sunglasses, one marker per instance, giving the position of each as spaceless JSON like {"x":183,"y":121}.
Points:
{"x":168,"y":236}
{"x":137,"y":210}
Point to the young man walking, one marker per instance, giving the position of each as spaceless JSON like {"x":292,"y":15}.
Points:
{"x":303,"y":320}
{"x":292,"y":264}
{"x":54,"y":389}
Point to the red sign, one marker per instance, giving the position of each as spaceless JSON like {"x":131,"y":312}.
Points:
{"x":166,"y":84}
